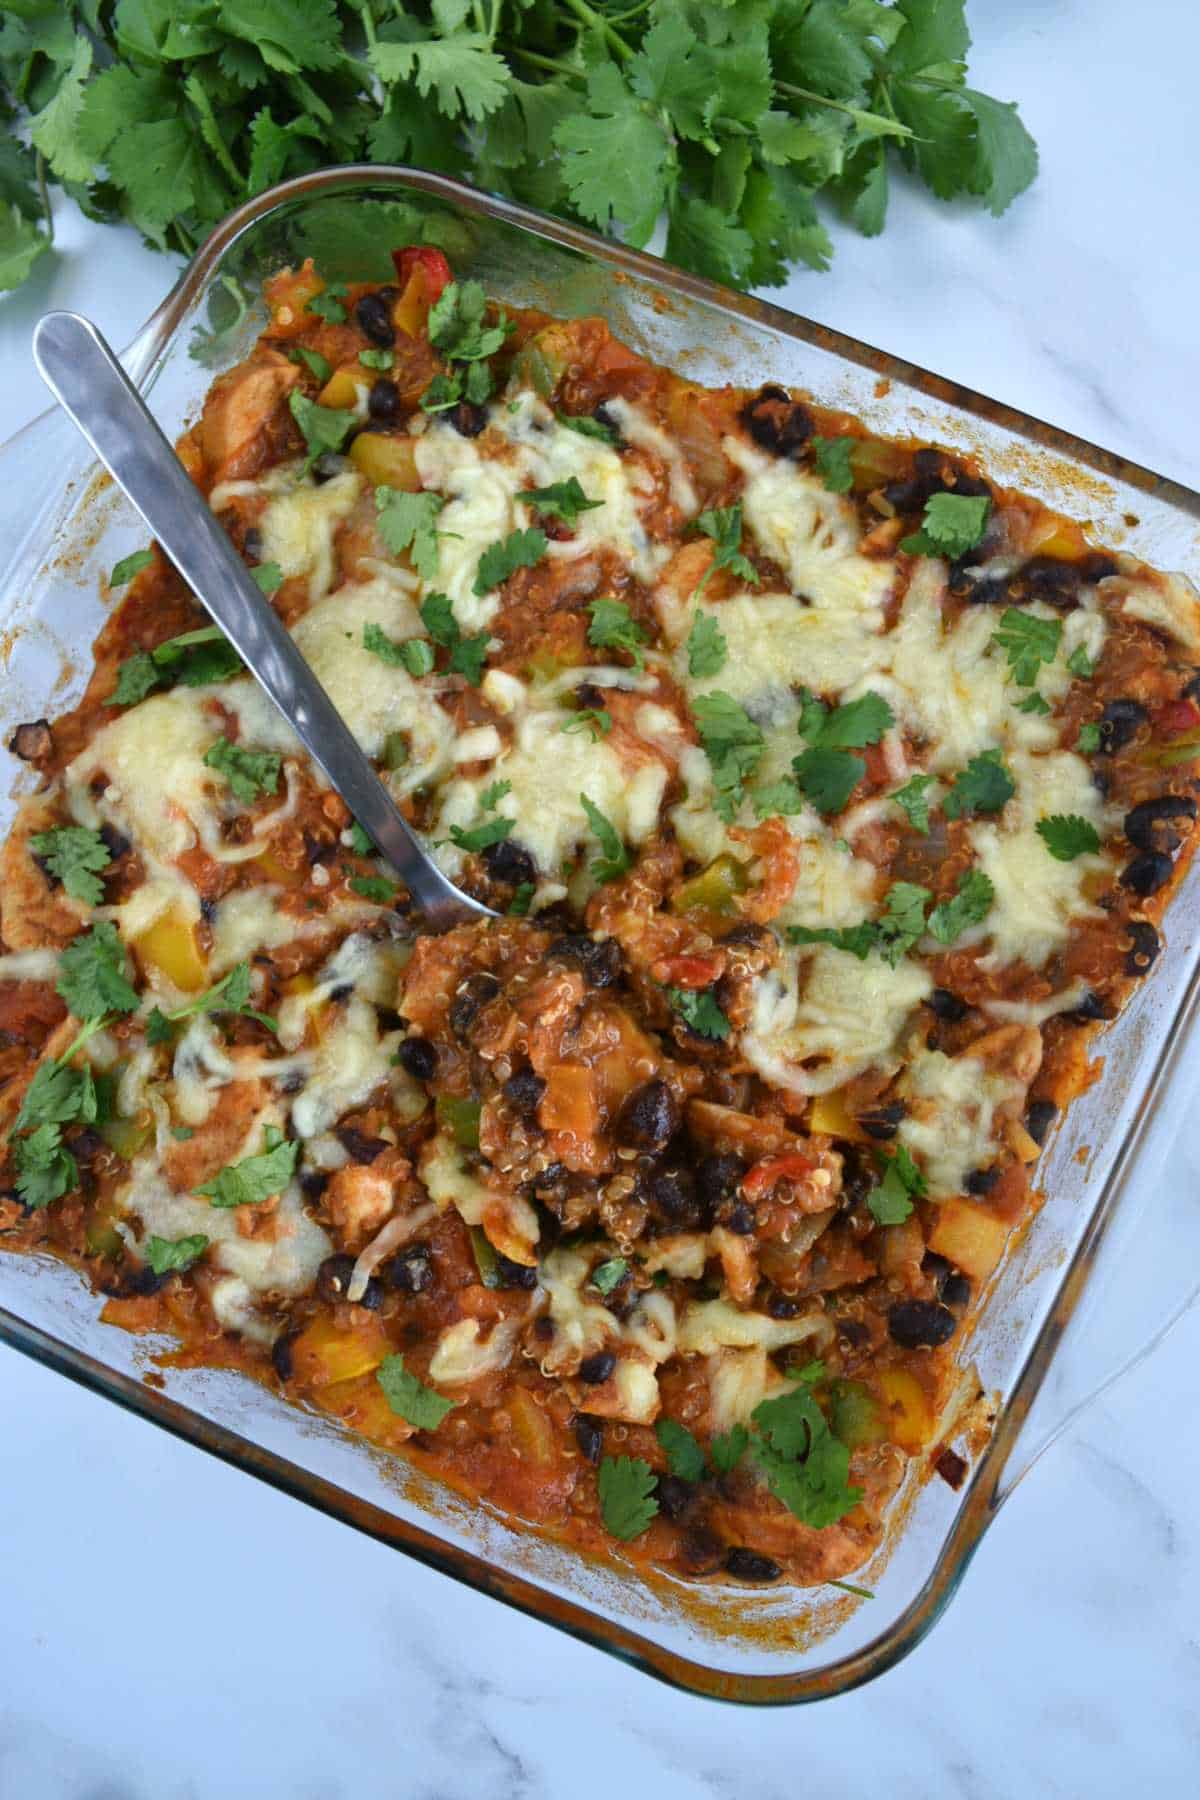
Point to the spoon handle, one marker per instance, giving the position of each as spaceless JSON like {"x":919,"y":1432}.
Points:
{"x":88,"y":382}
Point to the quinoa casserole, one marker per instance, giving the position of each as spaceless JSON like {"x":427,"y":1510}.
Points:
{"x":829,"y":797}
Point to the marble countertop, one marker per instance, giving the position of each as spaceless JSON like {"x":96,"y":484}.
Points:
{"x":170,"y":1630}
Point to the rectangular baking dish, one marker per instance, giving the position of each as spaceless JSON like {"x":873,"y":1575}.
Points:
{"x":1107,"y":1263}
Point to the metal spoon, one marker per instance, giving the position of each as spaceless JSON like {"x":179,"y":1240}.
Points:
{"x":85,"y":378}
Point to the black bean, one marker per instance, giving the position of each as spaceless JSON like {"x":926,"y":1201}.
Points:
{"x":672,"y":1195}
{"x":934,"y":1264}
{"x":1148,"y":825}
{"x":777,"y":422}
{"x":313,"y":1183}
{"x":470,"y":1000}
{"x":946,"y":1006}
{"x":373,"y":315}
{"x":333,"y":1277}
{"x":362,"y":1149}
{"x":701,"y":1551}
{"x":1192,"y":690}
{"x":383,"y":403}
{"x":932,"y":474}
{"x":747,"y":934}
{"x":524,"y":1091}
{"x":514,"y":1274}
{"x":509,"y":862}
{"x":1090,"y":1008}
{"x":783,"y":1306}
{"x":281,"y":1355}
{"x":853,"y":1332}
{"x":917,"y":1323}
{"x":84,"y":1143}
{"x":955,"y":1290}
{"x":1144,"y":946}
{"x":597,"y":1368}
{"x":750,"y":1565}
{"x":1148,"y":871}
{"x":589,"y":1435}
{"x":208,"y":911}
{"x":1039,"y":1117}
{"x":33,"y":741}
{"x":600,"y":961}
{"x":982,"y":1181}
{"x":252,"y":543}
{"x":649,"y":1118}
{"x":717,"y":1177}
{"x":143,"y":1282}
{"x":342,"y":991}
{"x":882,"y":1122}
{"x":419,"y":1058}
{"x":740,"y":1219}
{"x":327,"y":465}
{"x":603,"y":417}
{"x":410,"y":1271}
{"x":293,"y":1082}
{"x":468,"y":419}
{"x":674,"y":1496}
{"x":114,"y":841}
{"x":1119,"y":724}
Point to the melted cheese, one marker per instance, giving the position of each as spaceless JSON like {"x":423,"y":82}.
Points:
{"x":300,"y":523}
{"x":711,"y":1325}
{"x":824,"y":1017}
{"x":953,"y":1103}
{"x":463,"y":1354}
{"x":1167,"y":602}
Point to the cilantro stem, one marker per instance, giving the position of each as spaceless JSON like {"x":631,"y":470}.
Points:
{"x":894,"y":128}
{"x":595,"y":22}
{"x":553,"y":65}
{"x":44,"y":195}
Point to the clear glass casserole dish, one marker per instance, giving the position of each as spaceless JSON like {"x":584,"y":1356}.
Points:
{"x":1110,"y":1256}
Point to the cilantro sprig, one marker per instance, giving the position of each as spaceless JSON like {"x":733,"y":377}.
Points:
{"x":614,"y":859}
{"x":890,"y":1201}
{"x":952,"y":524}
{"x":408,"y":1396}
{"x":826,"y":773}
{"x":723,"y":524}
{"x":1067,"y":835}
{"x":255,"y":1178}
{"x":733,"y":744}
{"x":467,"y":654}
{"x":192,"y":659}
{"x":76,"y":856}
{"x":561,"y":500}
{"x":230,"y":994}
{"x":613,"y":627}
{"x":1028,"y":641}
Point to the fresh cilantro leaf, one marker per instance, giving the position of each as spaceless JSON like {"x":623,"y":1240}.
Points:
{"x":1027,"y":641}
{"x":360,"y":840}
{"x":129,"y":566}
{"x":912,"y":797}
{"x":75,"y":855}
{"x":406,"y":522}
{"x":707,"y":648}
{"x":374,"y":887}
{"x":420,"y":1406}
{"x":461,"y":72}
{"x":615,"y":858}
{"x":971,"y":903}
{"x":137,"y":676}
{"x":1088,"y":741}
{"x":627,"y":1503}
{"x":519,"y":550}
{"x":733,"y":744}
{"x":456,"y":324}
{"x":492,"y":831}
{"x":493,"y":794}
{"x":322,"y":427}
{"x":58,"y":1095}
{"x":469,"y":655}
{"x":805,"y":1466}
{"x":230,"y":994}
{"x":984,"y":786}
{"x":856,"y":940}
{"x":327,"y":305}
{"x":561,"y":500}
{"x":952,"y":525}
{"x":615,"y":156}
{"x":166,"y":1254}
{"x":249,"y":773}
{"x":828,"y":777}
{"x":193,"y":659}
{"x":255,"y":1178}
{"x":902,"y":921}
{"x":413,"y":654}
{"x":312,"y":360}
{"x":92,"y":978}
{"x":723,"y":524}
{"x":46,"y":1170}
{"x":1032,"y":703}
{"x":443,"y":392}
{"x":613,"y":627}
{"x":1067,"y":835}
{"x":1081,"y":664}
{"x":699,"y":1012}
{"x":890,"y":1201}
{"x":594,"y":720}
{"x":775,"y":798}
{"x":832,"y":457}
{"x":518,"y":906}
{"x":727,"y":1449}
{"x":684,"y":1456}
{"x":586,"y":426}
{"x":437,"y":616}
{"x":849,"y":727}
{"x":158,"y":1027}
{"x":376,"y":359}
{"x":608,"y":1275}
{"x":268,"y":576}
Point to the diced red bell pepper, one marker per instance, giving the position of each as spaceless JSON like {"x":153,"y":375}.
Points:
{"x":768,"y":1173}
{"x":432,"y":264}
{"x":1176,"y":717}
{"x":691,"y":972}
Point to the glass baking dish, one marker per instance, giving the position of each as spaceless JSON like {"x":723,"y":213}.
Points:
{"x":1108,"y":1263}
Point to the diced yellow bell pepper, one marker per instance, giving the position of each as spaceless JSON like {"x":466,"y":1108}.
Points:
{"x":713,"y":890}
{"x":169,"y":945}
{"x":831,"y":1116}
{"x":1061,"y":538}
{"x":531,"y":1433}
{"x":362,"y":1405}
{"x":909,"y":1417}
{"x":341,"y":389}
{"x":325,"y":1353}
{"x":386,"y":461}
{"x":970,"y":1236}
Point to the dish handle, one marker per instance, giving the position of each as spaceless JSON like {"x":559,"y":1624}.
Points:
{"x":1132,"y":1293}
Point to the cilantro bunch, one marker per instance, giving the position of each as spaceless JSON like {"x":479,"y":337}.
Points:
{"x":749,"y":126}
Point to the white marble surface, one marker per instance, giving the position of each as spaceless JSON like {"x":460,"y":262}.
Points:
{"x":169,"y":1629}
